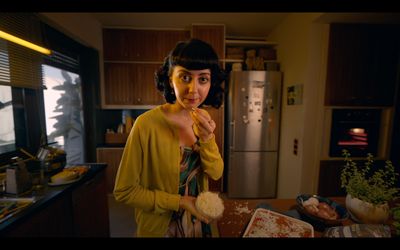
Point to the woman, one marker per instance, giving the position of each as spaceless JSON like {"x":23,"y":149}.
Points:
{"x":171,"y":150}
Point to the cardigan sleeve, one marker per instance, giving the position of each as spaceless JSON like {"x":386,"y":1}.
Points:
{"x":128,"y":187}
{"x":211,"y":159}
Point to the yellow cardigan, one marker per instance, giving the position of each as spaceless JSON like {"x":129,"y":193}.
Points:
{"x":148,"y":174}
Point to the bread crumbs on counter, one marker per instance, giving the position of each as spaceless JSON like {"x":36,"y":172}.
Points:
{"x":239,"y":209}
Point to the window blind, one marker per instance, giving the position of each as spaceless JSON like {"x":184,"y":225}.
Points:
{"x":62,"y":61}
{"x":4,"y":64}
{"x":20,"y":66}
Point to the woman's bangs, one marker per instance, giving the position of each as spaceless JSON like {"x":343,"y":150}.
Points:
{"x":193,"y":64}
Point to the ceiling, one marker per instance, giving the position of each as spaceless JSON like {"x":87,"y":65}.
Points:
{"x":238,"y":24}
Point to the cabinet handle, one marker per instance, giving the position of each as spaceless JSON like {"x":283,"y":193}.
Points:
{"x":232,"y":135}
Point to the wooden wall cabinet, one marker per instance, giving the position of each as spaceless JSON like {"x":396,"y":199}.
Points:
{"x":213,"y":34}
{"x":362,"y":65}
{"x":131,"y":84}
{"x":140,"y":45}
{"x":131,"y":58}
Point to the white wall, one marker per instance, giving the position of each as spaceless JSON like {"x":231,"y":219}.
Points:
{"x":79,"y":26}
{"x":302,"y":48}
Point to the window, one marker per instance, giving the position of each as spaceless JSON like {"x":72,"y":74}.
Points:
{"x":7,"y":133}
{"x":29,"y":112}
{"x":63,"y":112}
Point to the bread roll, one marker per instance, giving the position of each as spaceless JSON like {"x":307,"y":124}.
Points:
{"x":210,"y":204}
{"x":205,"y":113}
{"x":64,"y":176}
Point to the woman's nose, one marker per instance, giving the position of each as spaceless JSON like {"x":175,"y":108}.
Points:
{"x":193,"y":86}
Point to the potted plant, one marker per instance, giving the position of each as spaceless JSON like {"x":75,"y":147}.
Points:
{"x":396,"y":219}
{"x":368,"y":191}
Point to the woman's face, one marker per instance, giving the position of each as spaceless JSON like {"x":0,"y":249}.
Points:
{"x":191,"y":86}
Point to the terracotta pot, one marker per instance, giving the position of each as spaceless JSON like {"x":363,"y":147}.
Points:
{"x":366,"y":212}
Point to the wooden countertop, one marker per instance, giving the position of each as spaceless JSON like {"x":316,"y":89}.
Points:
{"x":238,"y":212}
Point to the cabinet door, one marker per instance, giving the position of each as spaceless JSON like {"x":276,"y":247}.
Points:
{"x":90,"y":208}
{"x":329,"y":179}
{"x":167,"y":40}
{"x":131,"y":84}
{"x":55,"y":220}
{"x":362,"y":65}
{"x":111,"y":156}
{"x":140,"y":45}
{"x":131,"y":60}
{"x":212,"y":34}
{"x":116,"y":44}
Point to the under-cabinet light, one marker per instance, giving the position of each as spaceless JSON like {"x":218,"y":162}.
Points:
{"x":24,"y":43}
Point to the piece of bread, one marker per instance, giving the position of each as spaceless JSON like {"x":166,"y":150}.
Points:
{"x":210,"y":204}
{"x":64,"y":176}
{"x":195,"y":128}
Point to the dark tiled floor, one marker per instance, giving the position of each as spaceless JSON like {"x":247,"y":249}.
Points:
{"x":122,"y":221}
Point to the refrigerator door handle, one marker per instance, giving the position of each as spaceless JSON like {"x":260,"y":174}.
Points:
{"x":232,"y":135}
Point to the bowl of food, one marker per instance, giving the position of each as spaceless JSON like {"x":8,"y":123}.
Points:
{"x":321,"y":211}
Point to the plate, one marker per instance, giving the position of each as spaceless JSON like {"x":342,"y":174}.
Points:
{"x":267,"y":223}
{"x":319,"y":221}
{"x":64,"y":182}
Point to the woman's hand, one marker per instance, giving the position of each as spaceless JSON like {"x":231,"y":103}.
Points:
{"x":188,"y":203}
{"x":203,"y":126}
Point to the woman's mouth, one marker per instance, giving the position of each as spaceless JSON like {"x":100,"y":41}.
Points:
{"x":191,"y":101}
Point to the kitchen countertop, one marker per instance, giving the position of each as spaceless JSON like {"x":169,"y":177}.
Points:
{"x":238,"y":212}
{"x":46,"y":195}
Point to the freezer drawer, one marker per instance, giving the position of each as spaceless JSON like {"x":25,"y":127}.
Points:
{"x":252,"y":174}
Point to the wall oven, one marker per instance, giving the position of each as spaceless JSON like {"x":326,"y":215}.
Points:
{"x":356,"y":130}
{"x":359,"y":130}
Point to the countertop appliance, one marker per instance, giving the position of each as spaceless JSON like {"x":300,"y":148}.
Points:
{"x":253,"y":114}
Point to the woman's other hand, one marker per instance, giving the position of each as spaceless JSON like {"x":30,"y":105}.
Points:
{"x":203,"y":126}
{"x":188,"y":203}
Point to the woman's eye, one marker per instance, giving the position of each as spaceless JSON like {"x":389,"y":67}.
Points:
{"x":185,"y":78}
{"x":204,"y":80}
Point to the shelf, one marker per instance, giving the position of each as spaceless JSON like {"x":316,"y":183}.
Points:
{"x":116,"y":138}
{"x":249,"y":43}
{"x":134,"y":62}
{"x":241,"y":60}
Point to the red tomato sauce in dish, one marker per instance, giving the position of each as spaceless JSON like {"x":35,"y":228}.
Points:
{"x":266,"y":223}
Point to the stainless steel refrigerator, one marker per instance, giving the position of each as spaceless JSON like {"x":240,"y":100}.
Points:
{"x":253,"y":113}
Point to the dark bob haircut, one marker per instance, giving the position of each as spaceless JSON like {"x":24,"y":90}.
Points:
{"x":193,"y":54}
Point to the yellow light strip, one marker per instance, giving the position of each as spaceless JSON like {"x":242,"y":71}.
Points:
{"x":24,"y":43}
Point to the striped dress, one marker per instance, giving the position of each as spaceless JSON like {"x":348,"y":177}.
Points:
{"x":190,"y":161}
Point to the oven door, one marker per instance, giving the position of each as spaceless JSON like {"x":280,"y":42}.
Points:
{"x":359,"y":136}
